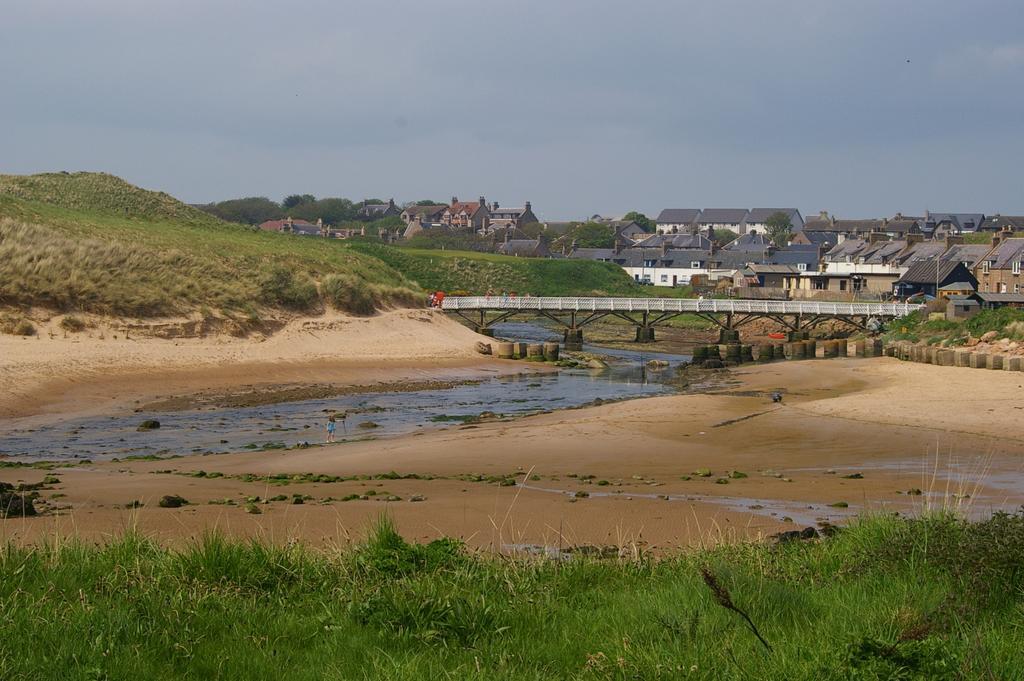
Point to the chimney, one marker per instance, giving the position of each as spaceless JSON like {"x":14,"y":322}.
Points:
{"x":455,"y":200}
{"x":527,"y":205}
{"x":494,"y":206}
{"x":953,"y":241}
{"x":617,"y":248}
{"x":664,"y":248}
{"x":482,"y":201}
{"x":875,"y":237}
{"x":914,"y":239}
{"x":391,"y":203}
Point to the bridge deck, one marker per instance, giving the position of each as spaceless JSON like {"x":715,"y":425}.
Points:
{"x":722,"y":306}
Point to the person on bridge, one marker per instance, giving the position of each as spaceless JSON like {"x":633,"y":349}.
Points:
{"x":438,"y":298}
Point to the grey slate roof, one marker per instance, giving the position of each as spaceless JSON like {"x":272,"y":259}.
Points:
{"x":820,"y":238}
{"x":749,"y":242}
{"x":923,"y":272}
{"x":958,"y":286}
{"x":676,"y":241}
{"x":1009,"y":251}
{"x":680,"y":216}
{"x":969,"y":254}
{"x":997,"y":223}
{"x":990,"y":297}
{"x":710,"y":216}
{"x":794,"y":255}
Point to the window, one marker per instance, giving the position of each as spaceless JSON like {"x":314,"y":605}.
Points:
{"x":801,"y":266}
{"x":649,"y":263}
{"x":664,"y":278}
{"x":1016,"y":288}
{"x":1016,"y":266}
{"x":1002,"y":288}
{"x":842,"y":284}
{"x":695,"y":264}
{"x":985,"y":267}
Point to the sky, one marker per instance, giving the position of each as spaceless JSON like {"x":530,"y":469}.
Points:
{"x":862,"y":108}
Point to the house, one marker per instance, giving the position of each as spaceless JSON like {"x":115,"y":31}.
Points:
{"x":951,"y":223}
{"x":628,"y":229}
{"x":419,"y":218}
{"x":722,"y":218}
{"x":524,"y":248}
{"x":375,"y":211}
{"x":999,"y":270}
{"x":928,"y":276}
{"x":809,"y":238}
{"x":290,"y":226}
{"x":990,"y":300}
{"x":469,"y":215}
{"x":841,"y":229}
{"x":752,"y":242}
{"x":676,"y":241}
{"x":509,"y":217}
{"x":961,"y":307}
{"x":958,"y":289}
{"x":1001,"y":223}
{"x":676,"y":220}
{"x":768,"y":276}
{"x":756,"y":220}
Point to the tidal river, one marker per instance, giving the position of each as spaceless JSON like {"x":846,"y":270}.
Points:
{"x":370,"y":415}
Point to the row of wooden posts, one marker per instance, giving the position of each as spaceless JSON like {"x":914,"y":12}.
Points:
{"x":954,"y":357}
{"x":737,"y":353}
{"x":546,"y":351}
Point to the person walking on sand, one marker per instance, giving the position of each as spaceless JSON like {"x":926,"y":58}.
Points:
{"x":331,"y":425}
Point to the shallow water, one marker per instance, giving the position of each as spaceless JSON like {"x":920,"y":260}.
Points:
{"x":288,"y":424}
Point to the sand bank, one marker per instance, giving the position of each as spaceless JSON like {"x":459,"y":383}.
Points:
{"x":100,"y":368}
{"x":627,"y":474}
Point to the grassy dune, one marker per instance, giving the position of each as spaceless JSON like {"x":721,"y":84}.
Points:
{"x":476,"y":273}
{"x":885,"y":599}
{"x":91,"y":242}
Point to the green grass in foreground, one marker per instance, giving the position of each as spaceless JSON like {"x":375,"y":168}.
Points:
{"x":476,"y":273}
{"x":885,"y":599}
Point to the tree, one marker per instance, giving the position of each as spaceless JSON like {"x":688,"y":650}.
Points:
{"x":429,"y":202}
{"x":779,"y":228}
{"x":248,"y":211}
{"x":639,"y":218}
{"x":592,"y":235}
{"x":532,"y":230}
{"x":297,"y":200}
{"x":724,"y":236}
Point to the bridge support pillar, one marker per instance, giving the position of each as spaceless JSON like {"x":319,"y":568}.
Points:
{"x":485,"y":331}
{"x":727,"y":336}
{"x":573,"y":339}
{"x":645,"y":334}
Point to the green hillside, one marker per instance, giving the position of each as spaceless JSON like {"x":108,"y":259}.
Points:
{"x":94,"y":243}
{"x":476,"y":273}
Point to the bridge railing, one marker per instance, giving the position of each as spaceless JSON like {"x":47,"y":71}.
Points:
{"x":573,"y":304}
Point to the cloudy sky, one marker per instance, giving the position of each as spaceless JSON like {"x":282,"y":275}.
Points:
{"x":859,"y":107}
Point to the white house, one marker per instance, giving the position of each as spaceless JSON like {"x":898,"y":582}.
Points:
{"x":757,"y":219}
{"x":722,"y":218}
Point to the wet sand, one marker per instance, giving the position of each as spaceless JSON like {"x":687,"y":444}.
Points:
{"x":954,"y":434}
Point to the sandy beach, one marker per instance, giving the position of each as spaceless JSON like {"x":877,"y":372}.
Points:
{"x":850,"y":436}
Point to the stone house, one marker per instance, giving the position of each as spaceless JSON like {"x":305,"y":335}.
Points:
{"x":375,"y":211}
{"x":475,"y":216}
{"x":999,"y":271}
{"x":503,"y":218}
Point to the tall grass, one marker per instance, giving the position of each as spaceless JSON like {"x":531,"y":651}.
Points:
{"x":888,"y":598}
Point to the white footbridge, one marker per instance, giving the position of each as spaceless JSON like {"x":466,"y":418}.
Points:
{"x":573,"y":313}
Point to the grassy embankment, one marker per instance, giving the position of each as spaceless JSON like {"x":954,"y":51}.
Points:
{"x":91,"y":242}
{"x":887,"y":598}
{"x":916,"y":327}
{"x":472,"y":273}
